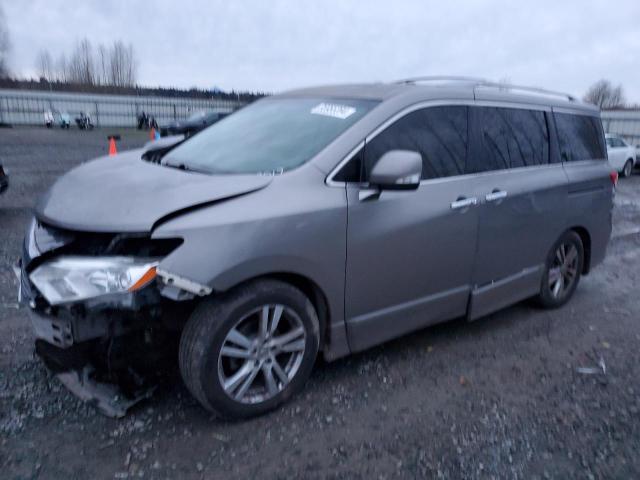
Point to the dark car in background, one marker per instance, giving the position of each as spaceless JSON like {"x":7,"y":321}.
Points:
{"x":4,"y":179}
{"x":191,"y":125}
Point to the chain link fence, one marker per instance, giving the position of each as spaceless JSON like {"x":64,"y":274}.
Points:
{"x":24,"y":107}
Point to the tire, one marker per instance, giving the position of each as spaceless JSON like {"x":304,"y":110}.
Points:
{"x":627,"y":169}
{"x":555,"y":293}
{"x":233,"y":321}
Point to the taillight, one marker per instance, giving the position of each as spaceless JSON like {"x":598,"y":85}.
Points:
{"x":614,"y":178}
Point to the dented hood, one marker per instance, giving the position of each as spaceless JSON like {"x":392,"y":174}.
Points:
{"x":127,"y":194}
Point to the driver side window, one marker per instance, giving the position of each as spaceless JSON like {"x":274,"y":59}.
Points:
{"x":439,"y":134}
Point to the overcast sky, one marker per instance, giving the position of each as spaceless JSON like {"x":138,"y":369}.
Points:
{"x":275,"y":45}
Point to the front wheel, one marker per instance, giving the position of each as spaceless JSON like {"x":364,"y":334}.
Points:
{"x":627,"y":169}
{"x":247,"y":351}
{"x":562,"y":271}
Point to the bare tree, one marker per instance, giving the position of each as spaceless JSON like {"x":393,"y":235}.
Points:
{"x":115,"y":65}
{"x":87,"y":62}
{"x":102,"y":64}
{"x":61,"y":69}
{"x":604,"y":95}
{"x":5,"y":45}
{"x":44,"y":64}
{"x":122,"y":65}
{"x":81,"y":68}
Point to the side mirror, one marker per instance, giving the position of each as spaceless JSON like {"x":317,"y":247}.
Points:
{"x":397,"y":170}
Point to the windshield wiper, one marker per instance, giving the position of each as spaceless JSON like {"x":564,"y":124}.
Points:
{"x":183,"y":166}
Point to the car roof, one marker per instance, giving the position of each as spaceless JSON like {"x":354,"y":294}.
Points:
{"x":428,"y":88}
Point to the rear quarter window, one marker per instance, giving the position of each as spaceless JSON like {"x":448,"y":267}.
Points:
{"x":580,"y":137}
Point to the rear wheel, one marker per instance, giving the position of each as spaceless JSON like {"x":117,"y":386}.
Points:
{"x":628,"y":168}
{"x":562,"y":271}
{"x":248,"y":351}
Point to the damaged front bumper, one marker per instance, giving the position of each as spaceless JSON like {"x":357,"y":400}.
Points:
{"x":105,"y":397}
{"x":110,"y":351}
{"x":109,"y":359}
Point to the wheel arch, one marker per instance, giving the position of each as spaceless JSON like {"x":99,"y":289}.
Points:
{"x":585,"y":236}
{"x":313,"y":292}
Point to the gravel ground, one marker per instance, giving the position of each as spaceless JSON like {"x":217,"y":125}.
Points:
{"x":499,"y":398}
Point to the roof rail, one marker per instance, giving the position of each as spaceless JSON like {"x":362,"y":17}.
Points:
{"x":441,"y":78}
{"x":540,"y":91}
{"x":481,"y":82}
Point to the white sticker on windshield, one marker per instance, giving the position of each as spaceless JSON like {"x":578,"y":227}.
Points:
{"x":333,"y":110}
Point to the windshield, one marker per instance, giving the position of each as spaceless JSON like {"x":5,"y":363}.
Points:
{"x":269,"y":136}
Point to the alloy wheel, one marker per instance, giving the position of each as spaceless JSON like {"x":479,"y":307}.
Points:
{"x":564,"y":270}
{"x":261,"y":354}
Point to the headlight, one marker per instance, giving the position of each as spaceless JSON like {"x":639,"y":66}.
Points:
{"x":70,"y":279}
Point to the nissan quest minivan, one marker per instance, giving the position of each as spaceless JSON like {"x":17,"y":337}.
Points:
{"x":321,"y":221}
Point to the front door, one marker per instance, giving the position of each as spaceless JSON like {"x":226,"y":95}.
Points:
{"x":410,"y":253}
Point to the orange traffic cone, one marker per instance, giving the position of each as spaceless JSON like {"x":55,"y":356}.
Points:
{"x":152,"y":134}
{"x":112,"y":147}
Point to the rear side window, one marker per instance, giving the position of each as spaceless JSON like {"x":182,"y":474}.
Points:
{"x":509,"y":138}
{"x":580,"y":137}
{"x":439,"y":134}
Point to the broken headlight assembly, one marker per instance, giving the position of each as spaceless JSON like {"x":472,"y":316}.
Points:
{"x":74,"y":278}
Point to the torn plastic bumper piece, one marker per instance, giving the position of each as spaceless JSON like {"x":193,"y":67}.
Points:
{"x":172,"y":280}
{"x":105,"y":397}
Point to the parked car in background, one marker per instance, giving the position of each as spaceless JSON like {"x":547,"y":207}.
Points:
{"x":4,"y":179}
{"x":191,"y":125}
{"x":622,"y":156}
{"x":321,"y":221}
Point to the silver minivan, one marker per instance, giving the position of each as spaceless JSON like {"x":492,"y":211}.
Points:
{"x":317,"y":222}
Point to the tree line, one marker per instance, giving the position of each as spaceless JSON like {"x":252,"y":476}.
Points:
{"x":113,"y":65}
{"x":136,"y":90}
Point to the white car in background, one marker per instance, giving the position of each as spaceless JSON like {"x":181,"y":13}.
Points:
{"x":622,"y":156}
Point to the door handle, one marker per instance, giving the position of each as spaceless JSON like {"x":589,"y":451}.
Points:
{"x":495,"y":195}
{"x":464,"y":203}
